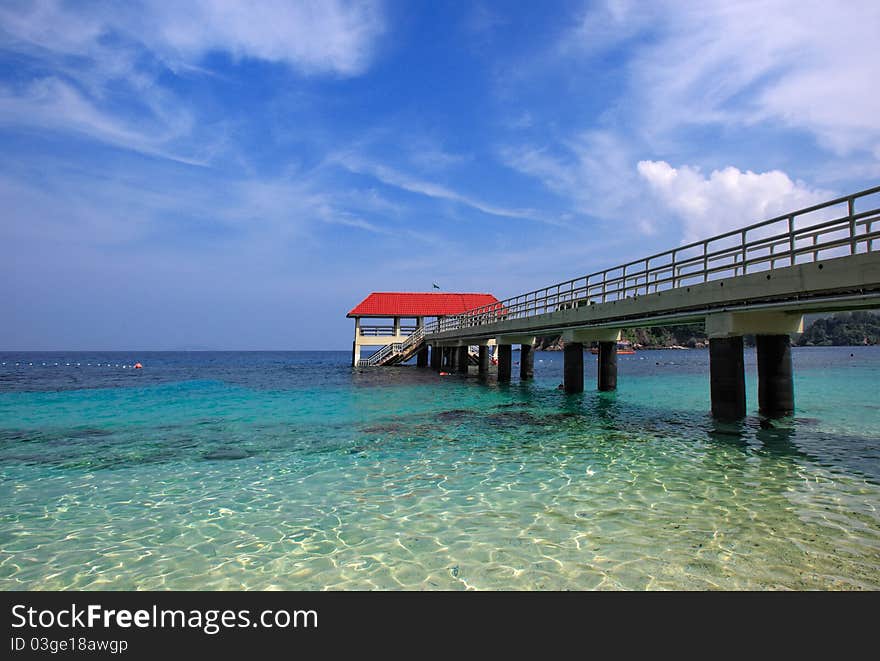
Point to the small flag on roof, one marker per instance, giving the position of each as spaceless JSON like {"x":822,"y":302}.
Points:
{"x":436,"y":286}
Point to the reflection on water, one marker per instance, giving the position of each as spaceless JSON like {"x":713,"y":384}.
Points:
{"x":230,"y":471}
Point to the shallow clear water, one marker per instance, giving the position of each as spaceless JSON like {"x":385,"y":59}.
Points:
{"x":293,"y":471}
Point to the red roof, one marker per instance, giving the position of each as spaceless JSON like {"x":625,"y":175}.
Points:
{"x":398,"y":304}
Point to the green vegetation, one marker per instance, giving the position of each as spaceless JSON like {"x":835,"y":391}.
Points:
{"x":842,"y":329}
{"x":692,"y":335}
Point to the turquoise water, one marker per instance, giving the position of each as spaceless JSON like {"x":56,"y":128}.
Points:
{"x":293,"y":471}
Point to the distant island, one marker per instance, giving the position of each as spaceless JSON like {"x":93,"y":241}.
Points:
{"x":841,"y":329}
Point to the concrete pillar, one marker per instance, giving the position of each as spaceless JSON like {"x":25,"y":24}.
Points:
{"x":573,"y":367}
{"x":727,"y":377}
{"x":504,"y":362}
{"x":607,"y":365}
{"x":461,"y":362}
{"x":396,"y":326}
{"x":422,"y":357}
{"x":775,"y":383}
{"x":444,"y":358}
{"x":483,"y":369}
{"x":355,"y":347}
{"x":435,"y":357}
{"x":526,"y":362}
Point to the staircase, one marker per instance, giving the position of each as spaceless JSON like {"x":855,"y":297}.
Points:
{"x":473,"y":355}
{"x":397,"y":352}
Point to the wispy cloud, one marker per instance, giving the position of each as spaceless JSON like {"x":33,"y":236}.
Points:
{"x":602,"y":25}
{"x":313,"y":36}
{"x":809,"y":66}
{"x":593,"y":171}
{"x":53,"y":104}
{"x":298,"y":205}
{"x":391,"y":177}
{"x":95,"y":70}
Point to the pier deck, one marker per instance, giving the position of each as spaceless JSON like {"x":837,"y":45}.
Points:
{"x":759,"y":279}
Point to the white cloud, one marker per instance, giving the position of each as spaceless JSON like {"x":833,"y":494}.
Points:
{"x":725,"y":199}
{"x":106,"y":60}
{"x":806,"y":65}
{"x":313,"y":36}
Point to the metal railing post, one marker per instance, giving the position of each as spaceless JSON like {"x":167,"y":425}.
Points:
{"x":791,"y":248}
{"x":705,"y":261}
{"x":850,"y":205}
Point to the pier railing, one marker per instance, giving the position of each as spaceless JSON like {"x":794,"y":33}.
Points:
{"x":843,"y":226}
{"x":385,"y":331}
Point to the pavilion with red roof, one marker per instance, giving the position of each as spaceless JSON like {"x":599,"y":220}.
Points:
{"x":397,"y":306}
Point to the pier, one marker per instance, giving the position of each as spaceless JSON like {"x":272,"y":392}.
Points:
{"x":397,"y":341}
{"x":756,"y":280}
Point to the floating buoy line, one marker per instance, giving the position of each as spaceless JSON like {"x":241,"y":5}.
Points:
{"x":125,"y":366}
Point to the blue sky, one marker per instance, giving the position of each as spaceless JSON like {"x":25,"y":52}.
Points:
{"x":239,"y":175}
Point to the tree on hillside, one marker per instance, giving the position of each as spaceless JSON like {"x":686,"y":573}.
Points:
{"x":843,"y":329}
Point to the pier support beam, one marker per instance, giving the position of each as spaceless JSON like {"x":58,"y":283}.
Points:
{"x":355,"y":346}
{"x":435,"y":357}
{"x":422,"y":357}
{"x":461,"y":359}
{"x":445,"y":359}
{"x":727,"y":377}
{"x":775,"y":383}
{"x":607,"y":338}
{"x":607,"y":365}
{"x":573,"y":367}
{"x":504,"y":362}
{"x":526,"y":362}
{"x":775,"y":387}
{"x":483,"y":368}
